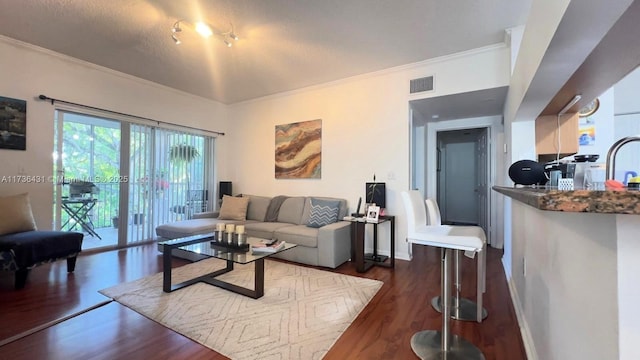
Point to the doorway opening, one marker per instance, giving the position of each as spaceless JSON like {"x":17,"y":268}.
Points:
{"x":463,"y":176}
{"x":441,"y":122}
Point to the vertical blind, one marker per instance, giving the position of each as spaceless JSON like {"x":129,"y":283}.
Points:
{"x":169,"y":172}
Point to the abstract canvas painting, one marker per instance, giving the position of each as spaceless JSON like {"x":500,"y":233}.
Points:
{"x":13,"y":124}
{"x":299,"y":150}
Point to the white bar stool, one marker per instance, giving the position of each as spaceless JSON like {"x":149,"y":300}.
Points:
{"x":434,"y":344}
{"x":463,"y":309}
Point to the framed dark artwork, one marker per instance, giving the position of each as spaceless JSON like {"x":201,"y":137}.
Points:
{"x":376,"y":193}
{"x":13,"y":124}
{"x":298,"y":151}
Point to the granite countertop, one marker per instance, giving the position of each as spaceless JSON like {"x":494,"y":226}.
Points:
{"x":591,"y":201}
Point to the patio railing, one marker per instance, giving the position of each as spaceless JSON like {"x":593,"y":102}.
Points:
{"x":161,"y":206}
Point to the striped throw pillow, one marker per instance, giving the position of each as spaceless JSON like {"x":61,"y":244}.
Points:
{"x":323,"y":212}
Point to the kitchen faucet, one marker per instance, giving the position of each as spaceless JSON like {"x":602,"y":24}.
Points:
{"x":613,"y":150}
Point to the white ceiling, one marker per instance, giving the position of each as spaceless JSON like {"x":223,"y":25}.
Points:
{"x":284,"y":44}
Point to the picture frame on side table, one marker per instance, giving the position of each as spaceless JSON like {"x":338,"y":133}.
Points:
{"x":365,"y":209}
{"x":373,"y":212}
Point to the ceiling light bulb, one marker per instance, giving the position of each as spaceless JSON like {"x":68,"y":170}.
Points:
{"x":234,"y":36}
{"x":229,"y":44}
{"x":204,"y":29}
{"x":176,"y":40}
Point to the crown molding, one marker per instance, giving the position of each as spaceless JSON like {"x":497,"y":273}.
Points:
{"x":100,"y":68}
{"x":387,"y":71}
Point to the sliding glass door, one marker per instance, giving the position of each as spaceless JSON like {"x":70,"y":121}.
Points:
{"x":88,"y":174}
{"x":119,"y":180}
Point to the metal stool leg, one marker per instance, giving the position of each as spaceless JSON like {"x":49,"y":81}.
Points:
{"x":463,"y":308}
{"x":481,"y":283}
{"x":432,"y":344}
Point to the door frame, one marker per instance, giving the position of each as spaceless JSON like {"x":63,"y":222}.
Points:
{"x":494,"y":129}
{"x":92,"y":119}
{"x":443,"y":138}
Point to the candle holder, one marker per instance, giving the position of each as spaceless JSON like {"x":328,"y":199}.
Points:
{"x":241,"y":239}
{"x":230,"y":247}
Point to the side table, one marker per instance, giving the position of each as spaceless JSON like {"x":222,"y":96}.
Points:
{"x":364,"y":262}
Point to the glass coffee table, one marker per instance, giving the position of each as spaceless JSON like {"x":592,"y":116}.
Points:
{"x":202,"y":245}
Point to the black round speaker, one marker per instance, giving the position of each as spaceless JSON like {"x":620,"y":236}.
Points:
{"x":526,"y":172}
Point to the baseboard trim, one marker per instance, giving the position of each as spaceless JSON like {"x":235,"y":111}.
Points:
{"x":527,"y":340}
{"x":51,"y":323}
{"x":399,"y":255}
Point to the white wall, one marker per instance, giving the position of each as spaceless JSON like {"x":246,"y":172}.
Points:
{"x":27,"y":71}
{"x":419,"y":147}
{"x":628,"y":246}
{"x":365,"y":129}
{"x":626,"y":94}
{"x":604,"y":127}
{"x":627,"y":121}
{"x":568,"y":296}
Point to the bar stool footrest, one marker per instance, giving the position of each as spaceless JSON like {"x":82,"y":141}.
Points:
{"x":467,"y":310}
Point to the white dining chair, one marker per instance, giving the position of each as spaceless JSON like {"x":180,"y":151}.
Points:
{"x":439,"y":344}
{"x":463,"y":308}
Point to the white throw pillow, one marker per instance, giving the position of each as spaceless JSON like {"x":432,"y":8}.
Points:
{"x":16,"y":214}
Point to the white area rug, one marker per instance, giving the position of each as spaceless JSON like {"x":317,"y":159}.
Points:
{"x":302,"y":314}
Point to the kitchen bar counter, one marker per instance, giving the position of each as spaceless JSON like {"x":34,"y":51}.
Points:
{"x":570,"y":252}
{"x":589,"y":201}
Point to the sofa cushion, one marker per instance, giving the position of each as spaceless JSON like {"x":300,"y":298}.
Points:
{"x":323,"y":212}
{"x":258,"y":205}
{"x":264,"y":230}
{"x":16,"y":214}
{"x":234,"y":208}
{"x":190,"y":227}
{"x":291,"y":210}
{"x":298,"y":234}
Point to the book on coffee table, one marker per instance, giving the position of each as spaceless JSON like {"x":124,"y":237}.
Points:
{"x":268,"y":246}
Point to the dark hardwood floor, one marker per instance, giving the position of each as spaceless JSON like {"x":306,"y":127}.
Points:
{"x":382,"y":330}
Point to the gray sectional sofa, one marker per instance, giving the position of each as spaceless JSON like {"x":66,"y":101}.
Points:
{"x":328,"y":245}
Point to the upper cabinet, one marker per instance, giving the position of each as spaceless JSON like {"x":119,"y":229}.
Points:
{"x":555,"y":136}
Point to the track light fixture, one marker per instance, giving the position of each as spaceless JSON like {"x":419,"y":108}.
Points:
{"x":204,"y":29}
{"x":174,"y":30}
